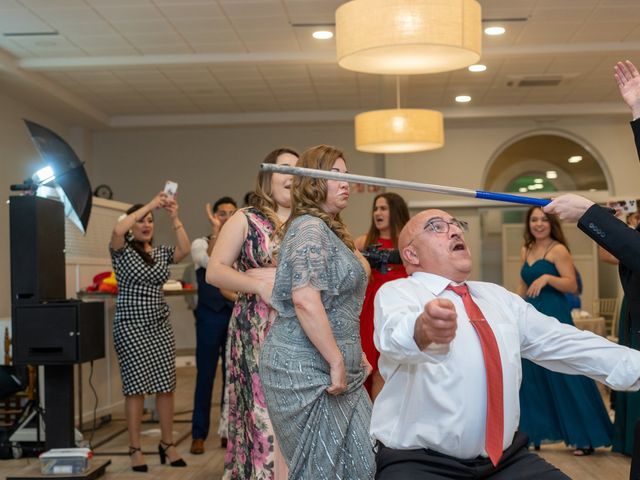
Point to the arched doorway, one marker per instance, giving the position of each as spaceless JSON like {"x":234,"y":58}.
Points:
{"x":546,"y":161}
{"x":539,"y":161}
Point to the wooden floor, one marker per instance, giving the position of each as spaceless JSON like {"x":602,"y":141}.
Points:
{"x":602,"y":465}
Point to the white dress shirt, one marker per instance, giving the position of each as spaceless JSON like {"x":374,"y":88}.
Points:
{"x":437,"y":398}
{"x":199,"y":255}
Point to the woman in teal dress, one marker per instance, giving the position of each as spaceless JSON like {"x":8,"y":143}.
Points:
{"x":554,"y":406}
{"x":312,"y":366}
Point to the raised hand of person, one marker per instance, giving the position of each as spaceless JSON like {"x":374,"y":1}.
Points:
{"x":436,"y":324}
{"x":215,"y":222}
{"x":171,"y":206}
{"x":159,"y":201}
{"x":628,"y":80}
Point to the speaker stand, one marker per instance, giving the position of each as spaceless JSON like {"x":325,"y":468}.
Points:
{"x":58,"y":406}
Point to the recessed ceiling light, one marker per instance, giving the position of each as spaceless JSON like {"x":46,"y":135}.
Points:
{"x":322,"y":34}
{"x":463,"y":98}
{"x":523,"y":189}
{"x":538,"y":180}
{"x":494,"y":30}
{"x":478,"y":67}
{"x":552,"y":174}
{"x":575,"y":159}
{"x":531,"y":187}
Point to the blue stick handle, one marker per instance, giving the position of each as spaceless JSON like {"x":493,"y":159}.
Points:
{"x":505,"y":197}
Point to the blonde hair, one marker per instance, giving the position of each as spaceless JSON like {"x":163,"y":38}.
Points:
{"x":308,"y":194}
{"x":262,"y":198}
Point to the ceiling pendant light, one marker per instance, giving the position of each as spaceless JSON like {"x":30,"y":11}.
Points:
{"x":408,"y":36}
{"x":399,"y":130}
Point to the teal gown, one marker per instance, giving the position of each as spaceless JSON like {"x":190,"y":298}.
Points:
{"x":554,"y":406}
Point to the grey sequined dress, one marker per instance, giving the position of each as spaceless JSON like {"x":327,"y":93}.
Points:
{"x":322,"y":436}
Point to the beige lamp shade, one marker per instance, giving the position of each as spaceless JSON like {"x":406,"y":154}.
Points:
{"x":399,"y":130}
{"x":404,"y":37}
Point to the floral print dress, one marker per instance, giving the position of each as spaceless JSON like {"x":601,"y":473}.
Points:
{"x":250,"y":444}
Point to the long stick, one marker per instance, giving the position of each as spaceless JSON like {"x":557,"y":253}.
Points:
{"x":389,"y":182}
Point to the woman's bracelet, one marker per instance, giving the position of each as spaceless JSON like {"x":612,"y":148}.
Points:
{"x":178,"y":227}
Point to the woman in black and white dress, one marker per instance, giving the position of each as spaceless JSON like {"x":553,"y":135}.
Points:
{"x":142,"y":333}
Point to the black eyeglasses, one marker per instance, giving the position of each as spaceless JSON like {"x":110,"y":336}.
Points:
{"x":439,"y":225}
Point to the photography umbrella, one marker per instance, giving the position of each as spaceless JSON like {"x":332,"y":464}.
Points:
{"x":70,"y":178}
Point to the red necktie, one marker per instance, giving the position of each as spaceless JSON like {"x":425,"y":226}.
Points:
{"x":493,"y":366}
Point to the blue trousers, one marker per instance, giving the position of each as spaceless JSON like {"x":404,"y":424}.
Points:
{"x":211,"y":340}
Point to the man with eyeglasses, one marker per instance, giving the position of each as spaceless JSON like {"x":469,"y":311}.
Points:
{"x":450,"y":353}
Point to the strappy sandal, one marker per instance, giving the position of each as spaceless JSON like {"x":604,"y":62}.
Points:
{"x":162,"y":450}
{"x":137,"y":468}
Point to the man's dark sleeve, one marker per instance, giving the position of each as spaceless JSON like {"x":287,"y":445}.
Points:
{"x":613,"y":235}
{"x":635,"y":126}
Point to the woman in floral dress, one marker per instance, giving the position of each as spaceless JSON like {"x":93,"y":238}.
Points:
{"x":245,"y":241}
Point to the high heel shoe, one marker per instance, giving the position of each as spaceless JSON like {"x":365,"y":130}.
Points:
{"x":163,"y":455}
{"x":583,"y":452}
{"x":137,"y":468}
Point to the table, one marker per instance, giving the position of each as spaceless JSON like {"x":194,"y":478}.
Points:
{"x":593,"y":324}
{"x":185,"y":292}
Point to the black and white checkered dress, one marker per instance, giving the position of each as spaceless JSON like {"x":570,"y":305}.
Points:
{"x":142,"y":333}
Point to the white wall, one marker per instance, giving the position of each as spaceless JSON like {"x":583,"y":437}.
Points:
{"x":215,"y":161}
{"x":464,"y":160}
{"x":211,"y":162}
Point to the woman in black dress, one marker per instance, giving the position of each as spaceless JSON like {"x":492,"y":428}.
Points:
{"x":142,"y":333}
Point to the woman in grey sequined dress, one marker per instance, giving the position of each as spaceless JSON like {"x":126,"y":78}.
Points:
{"x":312,"y":367}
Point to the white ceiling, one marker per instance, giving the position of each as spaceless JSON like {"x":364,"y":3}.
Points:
{"x":162,"y":62}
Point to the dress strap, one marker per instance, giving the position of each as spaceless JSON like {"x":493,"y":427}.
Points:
{"x":526,"y":257}
{"x":549,"y":248}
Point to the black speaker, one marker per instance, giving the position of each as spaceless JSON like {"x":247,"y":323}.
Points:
{"x":37,"y":249}
{"x":58,"y":333}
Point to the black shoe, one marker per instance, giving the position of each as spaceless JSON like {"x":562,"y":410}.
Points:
{"x":163,"y":455}
{"x":137,"y":468}
{"x":583,"y":452}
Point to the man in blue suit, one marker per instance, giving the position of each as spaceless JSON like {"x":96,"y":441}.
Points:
{"x":212,"y":320}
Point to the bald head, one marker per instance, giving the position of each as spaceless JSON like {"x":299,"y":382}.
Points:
{"x":424,"y":249}
{"x":415,"y":225}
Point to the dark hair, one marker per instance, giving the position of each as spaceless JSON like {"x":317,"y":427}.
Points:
{"x":556,"y":230}
{"x":261,"y":197}
{"x":398,"y":217}
{"x":222,"y":201}
{"x":247,"y":198}
{"x":307,"y":193}
{"x":137,"y":245}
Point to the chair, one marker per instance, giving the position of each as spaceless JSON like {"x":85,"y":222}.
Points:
{"x":17,"y":387}
{"x":609,"y":308}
